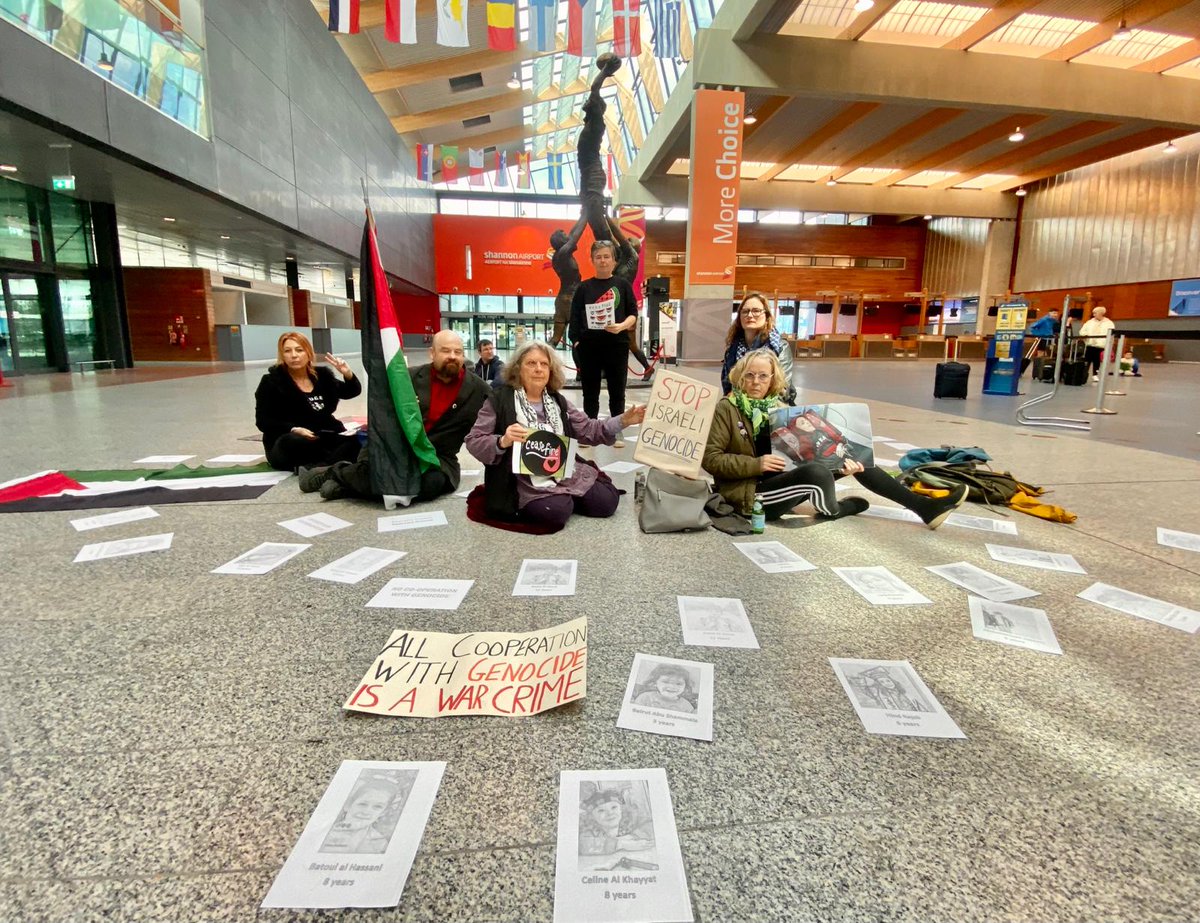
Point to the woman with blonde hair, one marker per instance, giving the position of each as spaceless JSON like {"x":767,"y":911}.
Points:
{"x":754,"y":328}
{"x":294,"y":405}
{"x":529,"y":401}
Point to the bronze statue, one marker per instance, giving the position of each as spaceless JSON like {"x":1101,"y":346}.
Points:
{"x":566,"y":267}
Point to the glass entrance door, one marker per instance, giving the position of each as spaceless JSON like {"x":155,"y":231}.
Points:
{"x":22,"y":334}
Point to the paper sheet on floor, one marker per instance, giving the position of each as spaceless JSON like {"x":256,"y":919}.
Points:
{"x":981,"y":523}
{"x":773,"y":557}
{"x":887,"y":462}
{"x":713,"y":621}
{"x":618,"y":858}
{"x":407,"y":521}
{"x":430,"y":674}
{"x":882,"y":439}
{"x":891,"y":512}
{"x":235,"y":459}
{"x":900,"y":446}
{"x":1172,"y":538}
{"x":890,"y":698}
{"x":1144,"y":607}
{"x":357,"y":565}
{"x":262,"y":559}
{"x":1028,"y":557}
{"x":315,"y":524}
{"x":546,"y":578}
{"x":359,"y":844}
{"x":113,"y":519}
{"x":162,"y":459}
{"x":1018,"y":626}
{"x":667,"y":696}
{"x":125,"y":546}
{"x":621,"y":467}
{"x":879,"y":586}
{"x":421,"y":593}
{"x":981,"y":582}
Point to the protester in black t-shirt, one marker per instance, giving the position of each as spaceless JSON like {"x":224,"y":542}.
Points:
{"x":603,"y":352}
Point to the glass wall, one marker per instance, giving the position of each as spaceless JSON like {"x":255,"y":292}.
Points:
{"x":137,"y":45}
{"x":506,"y":320}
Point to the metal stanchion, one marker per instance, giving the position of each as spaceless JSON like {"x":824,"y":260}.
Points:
{"x":1117,"y":364}
{"x":1065,"y":422}
{"x":1104,"y":363}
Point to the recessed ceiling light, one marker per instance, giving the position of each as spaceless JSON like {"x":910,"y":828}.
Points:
{"x":224,"y":237}
{"x":1123,"y":32}
{"x":1017,"y":135}
{"x":166,"y":218}
{"x":8,"y":168}
{"x":1169,"y":149}
{"x":929,"y":217}
{"x":750,"y":118}
{"x":861,"y":6}
{"x":1022,"y":191}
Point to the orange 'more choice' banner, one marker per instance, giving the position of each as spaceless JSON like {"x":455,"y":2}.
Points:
{"x":717,"y":118}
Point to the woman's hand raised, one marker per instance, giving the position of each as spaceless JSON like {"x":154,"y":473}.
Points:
{"x":852,"y":467}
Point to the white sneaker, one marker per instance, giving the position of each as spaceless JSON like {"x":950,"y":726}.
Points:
{"x":1095,"y":378}
{"x":619,"y":444}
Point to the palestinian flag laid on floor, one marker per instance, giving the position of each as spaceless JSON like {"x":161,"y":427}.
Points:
{"x":97,"y":490}
{"x":400,"y":451}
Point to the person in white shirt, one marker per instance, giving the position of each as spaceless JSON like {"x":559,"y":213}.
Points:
{"x":1093,"y":333}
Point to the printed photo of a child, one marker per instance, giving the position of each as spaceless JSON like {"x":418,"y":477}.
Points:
{"x":667,"y":686}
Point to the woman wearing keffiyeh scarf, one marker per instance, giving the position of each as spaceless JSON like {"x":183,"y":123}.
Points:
{"x":754,"y":328}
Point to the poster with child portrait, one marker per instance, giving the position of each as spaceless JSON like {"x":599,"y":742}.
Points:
{"x":827,"y":433}
{"x":618,"y":849}
{"x":359,"y":844}
{"x":672,"y":697}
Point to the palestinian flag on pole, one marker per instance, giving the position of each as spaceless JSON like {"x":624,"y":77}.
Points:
{"x":400,"y":450}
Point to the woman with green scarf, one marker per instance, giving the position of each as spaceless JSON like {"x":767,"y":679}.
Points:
{"x":738,"y":456}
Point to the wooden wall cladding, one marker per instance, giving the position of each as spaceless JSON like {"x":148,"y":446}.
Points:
{"x":804,"y":282}
{"x":1142,"y":300}
{"x":154,"y":298}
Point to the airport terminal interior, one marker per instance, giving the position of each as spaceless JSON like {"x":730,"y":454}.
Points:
{"x":182,"y":182}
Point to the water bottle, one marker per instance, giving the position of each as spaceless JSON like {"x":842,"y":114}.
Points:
{"x":639,"y":488}
{"x":758,"y":516}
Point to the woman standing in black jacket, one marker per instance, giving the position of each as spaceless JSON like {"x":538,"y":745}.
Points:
{"x":294,"y":405}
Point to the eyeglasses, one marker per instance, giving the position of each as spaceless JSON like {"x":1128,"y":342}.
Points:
{"x":752,"y":312}
{"x":758,"y":376}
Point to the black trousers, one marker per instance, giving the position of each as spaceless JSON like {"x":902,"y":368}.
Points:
{"x":290,"y":451}
{"x":356,"y":478}
{"x":609,"y":361}
{"x":813,"y":482}
{"x":1092,"y":356}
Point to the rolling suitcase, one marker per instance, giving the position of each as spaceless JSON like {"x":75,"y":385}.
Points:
{"x":1047,"y":376}
{"x":950,"y":380}
{"x":1074,"y":372}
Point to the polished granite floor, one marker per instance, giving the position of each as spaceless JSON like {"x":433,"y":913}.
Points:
{"x":166,"y":731}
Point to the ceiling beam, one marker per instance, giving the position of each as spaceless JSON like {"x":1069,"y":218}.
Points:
{"x":835,"y":126}
{"x":763,"y":112}
{"x":1173,"y":58}
{"x":1115,"y":148}
{"x":865,"y":20}
{"x":903,"y":135}
{"x":1028,"y":151}
{"x":976,"y":139}
{"x":1134,"y":15}
{"x":993,"y":20}
{"x":743,"y":17}
{"x":407,"y":75}
{"x":935,"y":77}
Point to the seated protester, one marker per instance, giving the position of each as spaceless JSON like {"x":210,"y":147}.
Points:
{"x":754,"y":328}
{"x":294,"y":405}
{"x":738,"y":456}
{"x":449,"y":397}
{"x":1130,"y":367}
{"x":490,"y":367}
{"x":530,"y":400}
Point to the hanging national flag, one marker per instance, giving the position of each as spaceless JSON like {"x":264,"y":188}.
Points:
{"x":475,"y":166}
{"x":343,"y":16}
{"x":524,"y":180}
{"x":554,"y":164}
{"x":581,"y":28}
{"x":400,"y":21}
{"x":400,"y":449}
{"x":425,"y":159}
{"x":449,"y":163}
{"x":627,"y":28}
{"x":543,"y":23}
{"x":501,"y":20}
{"x":452,"y":23}
{"x":502,"y":168}
{"x":666,"y":28}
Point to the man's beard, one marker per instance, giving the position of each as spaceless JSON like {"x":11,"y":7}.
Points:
{"x":448,"y":370}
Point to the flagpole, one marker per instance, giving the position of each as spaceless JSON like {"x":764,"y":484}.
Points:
{"x":366,"y":201}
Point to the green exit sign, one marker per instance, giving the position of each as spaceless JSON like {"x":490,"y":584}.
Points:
{"x":62,"y":183}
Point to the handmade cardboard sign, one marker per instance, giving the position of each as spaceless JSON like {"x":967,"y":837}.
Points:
{"x":678,"y":417}
{"x":427,"y":674}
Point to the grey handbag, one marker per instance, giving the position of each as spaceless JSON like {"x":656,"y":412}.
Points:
{"x":673,"y":503}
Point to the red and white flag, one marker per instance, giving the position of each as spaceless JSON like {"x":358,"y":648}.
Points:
{"x":400,"y":21}
{"x":475,"y":166}
{"x":627,"y":28}
{"x":581,"y":28}
{"x":343,"y":16}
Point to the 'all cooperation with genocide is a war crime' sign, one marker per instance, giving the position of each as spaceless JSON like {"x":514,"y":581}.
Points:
{"x":678,"y":417}
{"x":426,"y":674}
